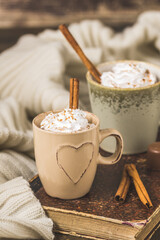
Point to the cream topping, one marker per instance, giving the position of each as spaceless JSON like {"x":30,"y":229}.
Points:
{"x":128,"y":75}
{"x":69,"y":120}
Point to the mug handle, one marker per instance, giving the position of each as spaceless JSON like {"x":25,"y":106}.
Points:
{"x":115,"y":157}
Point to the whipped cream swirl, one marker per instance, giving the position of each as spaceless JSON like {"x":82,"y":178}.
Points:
{"x":69,"y":120}
{"x":128,"y":75}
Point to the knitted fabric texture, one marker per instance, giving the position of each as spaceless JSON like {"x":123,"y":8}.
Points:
{"x":34,"y":77}
{"x":21,"y":214}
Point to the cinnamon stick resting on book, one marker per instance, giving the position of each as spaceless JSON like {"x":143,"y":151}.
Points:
{"x":74,"y":93}
{"x":131,"y":171}
{"x":93,"y":70}
{"x":140,"y":188}
{"x":123,"y":187}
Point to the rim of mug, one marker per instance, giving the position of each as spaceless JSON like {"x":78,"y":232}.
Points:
{"x":66,"y":133}
{"x":91,"y":81}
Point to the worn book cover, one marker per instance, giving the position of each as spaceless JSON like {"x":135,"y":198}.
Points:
{"x":98,"y":215}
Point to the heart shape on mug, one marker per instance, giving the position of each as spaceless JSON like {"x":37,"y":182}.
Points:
{"x":75,"y":161}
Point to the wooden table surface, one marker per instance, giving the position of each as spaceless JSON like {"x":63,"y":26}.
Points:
{"x":49,"y":13}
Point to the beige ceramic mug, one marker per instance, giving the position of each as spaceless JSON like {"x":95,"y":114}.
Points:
{"x":67,"y":162}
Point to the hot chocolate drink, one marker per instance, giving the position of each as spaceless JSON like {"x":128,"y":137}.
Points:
{"x":66,"y":148}
{"x":128,"y":100}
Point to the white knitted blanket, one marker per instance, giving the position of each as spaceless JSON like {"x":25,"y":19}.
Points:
{"x":21,"y":215}
{"x":34,"y":77}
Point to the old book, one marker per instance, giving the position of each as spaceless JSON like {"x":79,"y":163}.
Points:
{"x":98,"y":215}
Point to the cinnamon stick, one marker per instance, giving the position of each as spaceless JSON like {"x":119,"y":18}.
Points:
{"x":123,"y":187}
{"x":92,"y":69}
{"x":141,"y":190}
{"x":74,"y":93}
{"x":71,"y":93}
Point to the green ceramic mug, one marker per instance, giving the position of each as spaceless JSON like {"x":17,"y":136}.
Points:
{"x":134,"y":112}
